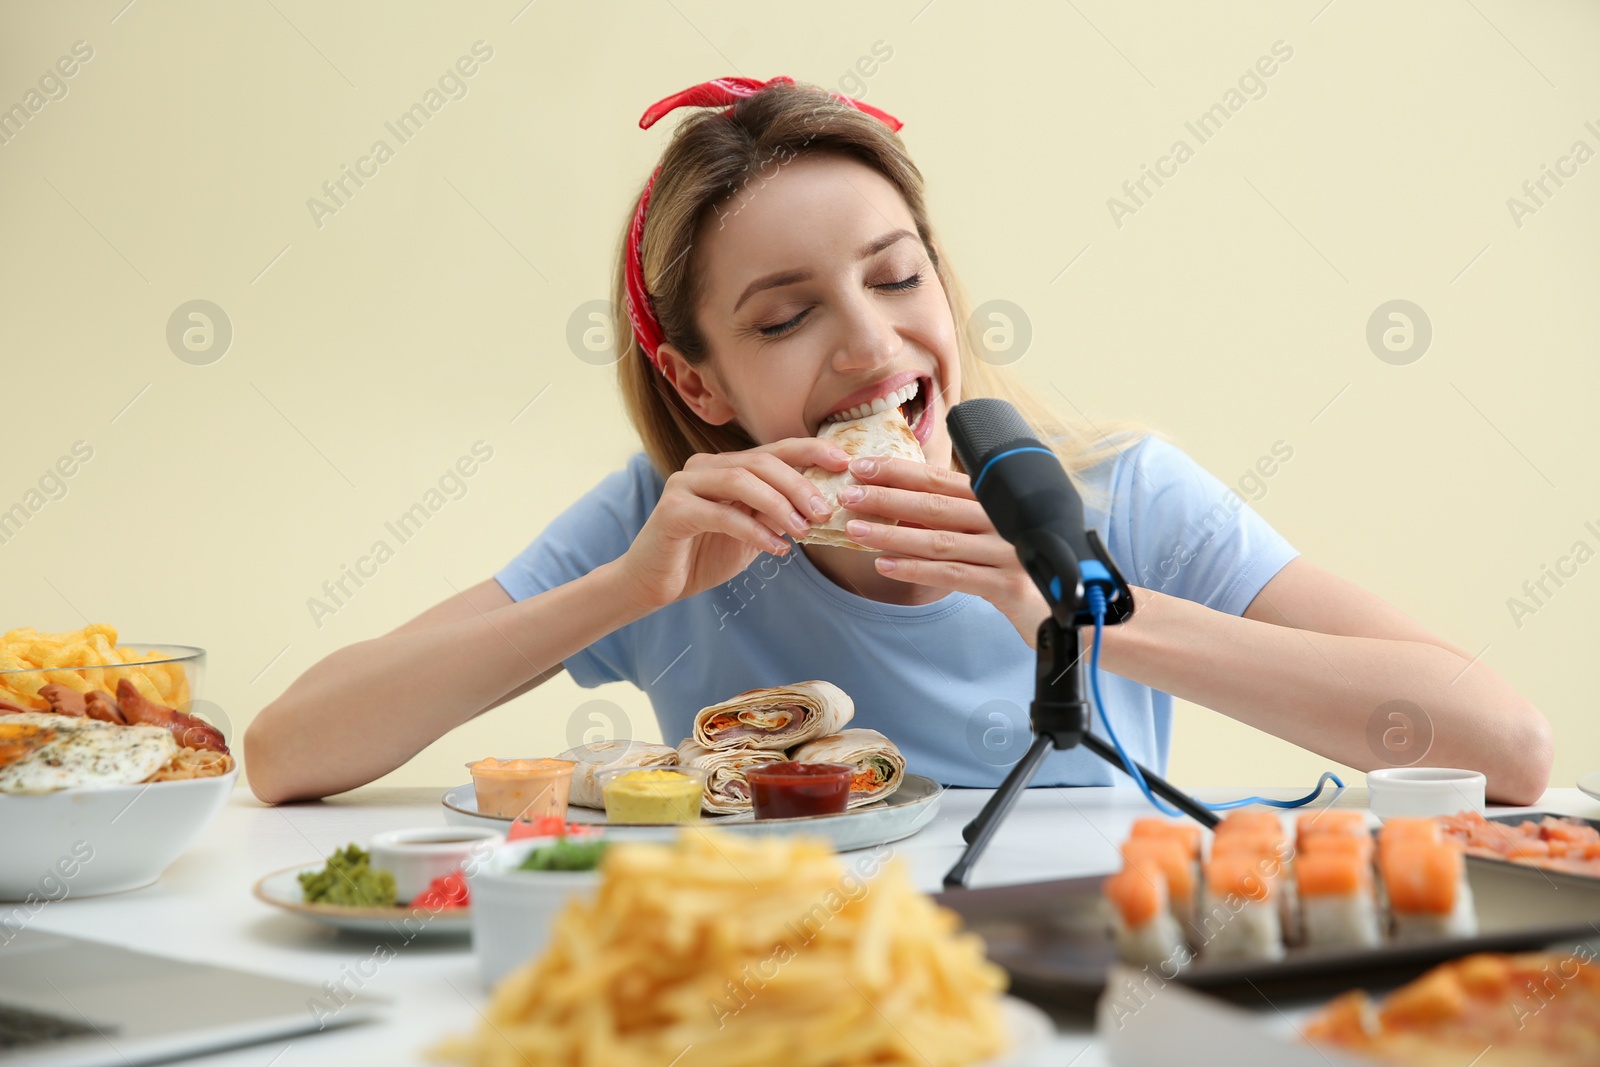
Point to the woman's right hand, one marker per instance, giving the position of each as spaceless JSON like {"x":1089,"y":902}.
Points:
{"x":721,"y":511}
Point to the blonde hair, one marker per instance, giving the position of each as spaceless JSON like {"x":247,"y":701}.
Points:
{"x":708,"y":158}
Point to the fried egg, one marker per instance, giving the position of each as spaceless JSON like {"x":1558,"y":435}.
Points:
{"x":41,"y":752}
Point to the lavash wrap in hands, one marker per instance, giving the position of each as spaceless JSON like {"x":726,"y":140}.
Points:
{"x":879,"y":765}
{"x":778,"y":718}
{"x":884,"y":433}
{"x":608,"y":755}
{"x":727,"y":790}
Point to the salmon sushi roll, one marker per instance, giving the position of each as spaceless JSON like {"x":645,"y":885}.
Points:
{"x":1331,"y":822}
{"x":1270,"y":855}
{"x":1337,"y":904}
{"x":1187,"y":834}
{"x":1361,"y":847}
{"x":1241,"y":920}
{"x":1251,"y":820}
{"x":1166,"y":858}
{"x":1428,"y":892}
{"x":1141,"y":918}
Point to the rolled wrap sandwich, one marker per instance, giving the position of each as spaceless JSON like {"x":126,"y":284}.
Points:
{"x":727,"y":790}
{"x":883,"y":433}
{"x":606,"y":755}
{"x":778,"y":718}
{"x":878,"y":763}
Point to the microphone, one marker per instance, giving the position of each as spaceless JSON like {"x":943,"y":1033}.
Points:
{"x":1027,"y":495}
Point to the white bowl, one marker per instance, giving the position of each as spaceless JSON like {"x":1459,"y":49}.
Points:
{"x":85,"y":842}
{"x":417,"y":856}
{"x":1424,"y":792}
{"x":512,"y":910}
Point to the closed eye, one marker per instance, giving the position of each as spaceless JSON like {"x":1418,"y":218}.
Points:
{"x":782,"y":328}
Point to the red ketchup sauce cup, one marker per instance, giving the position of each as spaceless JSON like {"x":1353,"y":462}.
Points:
{"x":792,"y":790}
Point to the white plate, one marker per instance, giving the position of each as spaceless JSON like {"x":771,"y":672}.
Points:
{"x":898,"y":815}
{"x":1590,"y":783}
{"x":282,"y":889}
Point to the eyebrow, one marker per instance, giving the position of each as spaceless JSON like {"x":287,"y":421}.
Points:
{"x":790,"y":277}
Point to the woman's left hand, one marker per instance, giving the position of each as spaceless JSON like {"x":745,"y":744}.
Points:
{"x":952,"y":544}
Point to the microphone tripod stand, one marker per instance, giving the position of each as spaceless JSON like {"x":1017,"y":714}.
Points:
{"x":1059,"y":714}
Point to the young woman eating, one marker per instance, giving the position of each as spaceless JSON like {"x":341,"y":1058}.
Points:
{"x":779,"y":270}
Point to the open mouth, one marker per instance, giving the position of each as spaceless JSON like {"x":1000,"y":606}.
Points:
{"x":910,"y":398}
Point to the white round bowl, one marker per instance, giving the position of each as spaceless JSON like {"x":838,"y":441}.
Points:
{"x":1424,"y":792}
{"x":85,"y":842}
{"x":512,"y":910}
{"x":417,"y":856}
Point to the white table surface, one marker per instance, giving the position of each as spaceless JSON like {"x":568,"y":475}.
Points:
{"x":202,"y":907}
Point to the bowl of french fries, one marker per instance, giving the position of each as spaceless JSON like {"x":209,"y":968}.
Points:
{"x":109,"y":769}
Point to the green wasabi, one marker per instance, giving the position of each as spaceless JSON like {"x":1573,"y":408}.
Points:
{"x":565,"y":855}
{"x":350,"y":881}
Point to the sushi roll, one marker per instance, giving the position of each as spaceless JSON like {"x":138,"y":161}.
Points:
{"x":1186,"y":834}
{"x":1141,"y":919}
{"x":1337,"y":905}
{"x":1268,"y":851}
{"x":1330,"y":822}
{"x":1361,"y":847}
{"x":1241,"y":920}
{"x":1428,"y":892}
{"x":1251,"y":821}
{"x":1166,"y":858}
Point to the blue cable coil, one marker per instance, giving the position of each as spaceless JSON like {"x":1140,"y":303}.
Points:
{"x":1097,"y":607}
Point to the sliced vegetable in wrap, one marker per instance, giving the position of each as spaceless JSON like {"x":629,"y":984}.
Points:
{"x":883,"y":433}
{"x":778,"y":718}
{"x":879,"y":765}
{"x":727,"y":790}
{"x":607,"y":755}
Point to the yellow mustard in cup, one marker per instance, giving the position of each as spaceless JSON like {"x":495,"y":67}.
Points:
{"x":657,"y":795}
{"x":508,"y":787}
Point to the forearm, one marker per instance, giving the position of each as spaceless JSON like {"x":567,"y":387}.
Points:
{"x":1321,"y":691}
{"x":365,"y":709}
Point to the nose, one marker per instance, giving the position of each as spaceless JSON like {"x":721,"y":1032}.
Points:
{"x":868,"y":335}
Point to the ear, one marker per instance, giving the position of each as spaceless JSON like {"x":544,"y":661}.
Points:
{"x":696,"y":385}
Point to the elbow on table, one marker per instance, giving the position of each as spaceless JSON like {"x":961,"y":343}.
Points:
{"x":266,"y":761}
{"x":1526,"y":760}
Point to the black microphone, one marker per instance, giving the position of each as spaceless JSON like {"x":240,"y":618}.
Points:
{"x":1027,"y":495}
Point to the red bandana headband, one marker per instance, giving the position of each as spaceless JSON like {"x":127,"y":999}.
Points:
{"x":713,"y":93}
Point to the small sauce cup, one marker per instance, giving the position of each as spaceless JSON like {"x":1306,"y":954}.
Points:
{"x":417,"y":856}
{"x":794,"y":790}
{"x":652,"y":794}
{"x":509,"y":787}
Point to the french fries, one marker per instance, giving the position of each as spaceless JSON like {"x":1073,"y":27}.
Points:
{"x":84,"y":660}
{"x":722,"y":950}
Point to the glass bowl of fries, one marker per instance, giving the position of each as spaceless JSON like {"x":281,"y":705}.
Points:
{"x":91,"y":660}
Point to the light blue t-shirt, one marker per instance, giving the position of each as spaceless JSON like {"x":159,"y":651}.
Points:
{"x":949,"y":682}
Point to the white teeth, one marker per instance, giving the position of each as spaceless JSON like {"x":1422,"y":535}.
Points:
{"x":883,"y":403}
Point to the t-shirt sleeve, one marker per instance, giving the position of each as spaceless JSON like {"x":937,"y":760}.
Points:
{"x":596,"y":529}
{"x":1191,"y":535}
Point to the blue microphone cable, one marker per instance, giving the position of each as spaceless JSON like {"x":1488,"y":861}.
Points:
{"x":1097,"y":607}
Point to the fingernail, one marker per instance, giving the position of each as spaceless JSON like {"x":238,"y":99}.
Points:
{"x":885,"y":564}
{"x":851,"y":494}
{"x":856,"y":528}
{"x":867,"y":466}
{"x":779,"y":545}
{"x":798,"y":521}
{"x":839,"y":455}
{"x":819,"y":507}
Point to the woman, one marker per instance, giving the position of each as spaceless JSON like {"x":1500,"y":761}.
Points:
{"x":780,"y":270}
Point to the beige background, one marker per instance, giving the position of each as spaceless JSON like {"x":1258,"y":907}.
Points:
{"x":430,"y":311}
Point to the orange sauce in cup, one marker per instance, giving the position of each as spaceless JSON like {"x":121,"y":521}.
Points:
{"x":508,"y":787}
